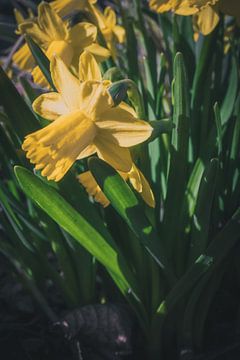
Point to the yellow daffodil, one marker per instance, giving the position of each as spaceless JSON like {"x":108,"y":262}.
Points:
{"x":106,"y":21}
{"x":55,"y":37}
{"x":89,"y":70}
{"x":206,"y":13}
{"x":85,"y":122}
{"x":112,"y":33}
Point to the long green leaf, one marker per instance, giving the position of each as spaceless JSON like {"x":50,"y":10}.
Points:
{"x":41,"y":59}
{"x":21,"y":117}
{"x":129,"y":208}
{"x":178,"y":163}
{"x":104,"y":249}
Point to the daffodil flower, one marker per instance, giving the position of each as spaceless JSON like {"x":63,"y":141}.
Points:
{"x":112,"y":33}
{"x":106,"y":21}
{"x":55,"y":37}
{"x":84,"y":122}
{"x":89,"y":70}
{"x":206,"y":13}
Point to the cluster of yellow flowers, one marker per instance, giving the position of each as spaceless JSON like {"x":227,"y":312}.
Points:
{"x":206,"y":13}
{"x":84,"y":120}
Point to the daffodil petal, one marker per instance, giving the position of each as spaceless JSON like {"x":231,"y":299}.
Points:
{"x":206,"y":20}
{"x":163,"y":5}
{"x":55,"y":147}
{"x":95,"y":100}
{"x":66,"y":83}
{"x":88,"y":68}
{"x":146,"y":192}
{"x":110,"y":17}
{"x":124,"y":127}
{"x":90,"y":150}
{"x":23,"y":58}
{"x":82,"y":35}
{"x":51,"y":23}
{"x":39,"y":78}
{"x":31,"y":27}
{"x":120,"y":33}
{"x":50,"y":106}
{"x":66,"y":7}
{"x":109,"y":151}
{"x":100,"y":53}
{"x":93,"y":189}
{"x":135,"y":178}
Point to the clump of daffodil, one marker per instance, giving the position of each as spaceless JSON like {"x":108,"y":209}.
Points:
{"x":206,"y":13}
{"x":89,"y":70}
{"x":84,"y":122}
{"x":54,"y":36}
{"x":106,"y":21}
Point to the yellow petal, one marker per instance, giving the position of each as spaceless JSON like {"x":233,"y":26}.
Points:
{"x":124,"y":127}
{"x":100,"y":53}
{"x":82,"y":35}
{"x":120,"y":33}
{"x":134,"y":177}
{"x":50,"y":106}
{"x":93,"y":189}
{"x":90,"y":150}
{"x":88,"y":68}
{"x":51,"y":23}
{"x":113,"y":154}
{"x":66,"y":7}
{"x":66,"y":84}
{"x":141,"y":185}
{"x":18,"y":16}
{"x":110,"y":17}
{"x":147,"y":193}
{"x":186,"y":10}
{"x":200,"y":4}
{"x":31,"y":27}
{"x":206,"y":20}
{"x":55,"y":148}
{"x":94,"y":99}
{"x":39,"y":78}
{"x":163,"y":5}
{"x":62,"y":49}
{"x":23,"y":58}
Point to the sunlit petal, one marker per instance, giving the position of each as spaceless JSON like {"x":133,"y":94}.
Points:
{"x":50,"y":106}
{"x":55,"y":148}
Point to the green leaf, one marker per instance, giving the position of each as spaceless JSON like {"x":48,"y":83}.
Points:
{"x":41,"y":59}
{"x":129,"y":208}
{"x":202,"y":214}
{"x":219,"y":128}
{"x":177,"y":176}
{"x":104,"y":249}
{"x":231,"y":92}
{"x":21,"y":117}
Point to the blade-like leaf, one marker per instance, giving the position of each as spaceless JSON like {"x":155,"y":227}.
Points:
{"x":104,"y":249}
{"x":129,"y":208}
{"x":21,"y":117}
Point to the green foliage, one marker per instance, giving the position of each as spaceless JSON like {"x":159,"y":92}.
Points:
{"x":169,"y":262}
